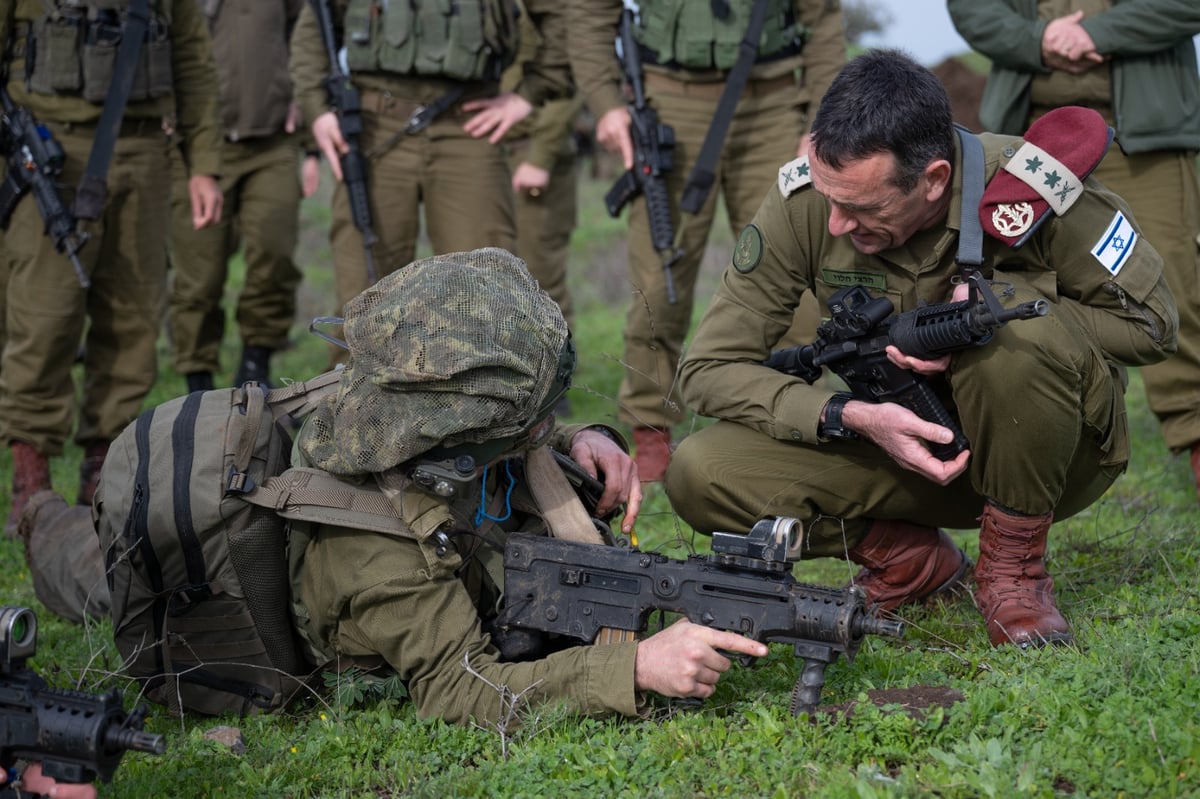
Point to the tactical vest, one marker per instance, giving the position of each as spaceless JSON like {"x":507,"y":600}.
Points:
{"x":686,"y":33}
{"x":74,"y":46}
{"x":461,"y":40}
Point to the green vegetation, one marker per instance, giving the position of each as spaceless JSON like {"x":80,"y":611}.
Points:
{"x":1114,"y":716}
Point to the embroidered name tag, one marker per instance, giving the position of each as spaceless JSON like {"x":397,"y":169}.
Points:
{"x":868,"y":279}
{"x":1115,"y":245}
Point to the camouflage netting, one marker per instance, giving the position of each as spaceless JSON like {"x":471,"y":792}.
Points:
{"x":454,"y":349}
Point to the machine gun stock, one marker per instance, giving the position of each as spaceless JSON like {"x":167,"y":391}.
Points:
{"x":78,"y":737}
{"x":853,"y":342}
{"x":745,"y":586}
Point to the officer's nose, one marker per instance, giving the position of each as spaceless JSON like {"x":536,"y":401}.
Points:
{"x":840,"y":222}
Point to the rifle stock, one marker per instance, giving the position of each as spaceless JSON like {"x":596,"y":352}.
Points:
{"x":745,"y":586}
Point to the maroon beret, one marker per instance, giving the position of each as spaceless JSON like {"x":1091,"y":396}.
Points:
{"x":1046,"y":174}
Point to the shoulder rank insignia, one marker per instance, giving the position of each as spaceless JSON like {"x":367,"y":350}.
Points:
{"x":1045,"y":174}
{"x":794,"y":175}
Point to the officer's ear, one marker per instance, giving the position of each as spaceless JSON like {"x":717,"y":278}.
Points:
{"x":936,"y":179}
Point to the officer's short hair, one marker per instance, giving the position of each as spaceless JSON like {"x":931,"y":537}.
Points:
{"x":884,"y":101}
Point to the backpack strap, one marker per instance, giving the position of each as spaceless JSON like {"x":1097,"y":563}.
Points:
{"x":312,"y":495}
{"x":559,"y":504}
{"x":298,"y":398}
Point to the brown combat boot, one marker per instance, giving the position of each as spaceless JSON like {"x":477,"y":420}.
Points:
{"x":651,"y":453}
{"x":1015,"y":592}
{"x":94,"y":453}
{"x":905,"y":562}
{"x":31,"y":474}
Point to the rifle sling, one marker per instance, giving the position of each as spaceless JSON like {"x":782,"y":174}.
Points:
{"x":93,"y":188}
{"x":970,"y":236}
{"x":703,"y":173}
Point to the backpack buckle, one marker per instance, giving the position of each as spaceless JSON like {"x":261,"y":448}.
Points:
{"x":239,"y":482}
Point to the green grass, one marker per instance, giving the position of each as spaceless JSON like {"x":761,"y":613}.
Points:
{"x":1114,"y":716}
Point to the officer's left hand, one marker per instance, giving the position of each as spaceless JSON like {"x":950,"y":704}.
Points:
{"x":207,"y":200}
{"x":496,"y":115}
{"x":530,"y":178}
{"x":600,"y":455}
{"x":35,"y":783}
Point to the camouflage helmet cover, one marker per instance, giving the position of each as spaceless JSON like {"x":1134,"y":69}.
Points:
{"x":453,"y":349}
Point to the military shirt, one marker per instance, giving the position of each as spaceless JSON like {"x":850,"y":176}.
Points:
{"x":788,"y":248}
{"x":369,"y":595}
{"x":593,"y":26}
{"x":545,"y":76}
{"x":193,"y":102}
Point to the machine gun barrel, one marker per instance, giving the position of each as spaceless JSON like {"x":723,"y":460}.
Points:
{"x":745,"y":586}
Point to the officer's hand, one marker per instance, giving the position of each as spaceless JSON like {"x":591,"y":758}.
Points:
{"x":599,"y":455}
{"x":496,"y":115}
{"x":34,"y":782}
{"x":328,"y":136}
{"x":612,"y":131}
{"x":207,"y":200}
{"x":530,"y":178}
{"x":310,"y":175}
{"x":293,"y":118}
{"x":903,"y":435}
{"x":685,"y":659}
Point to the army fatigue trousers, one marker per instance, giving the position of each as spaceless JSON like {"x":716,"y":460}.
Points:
{"x":1163,"y":191}
{"x":1043,"y":410}
{"x":118,"y":319}
{"x":261,"y":184}
{"x":463,"y":184}
{"x":763,"y":136}
{"x":545,"y":224}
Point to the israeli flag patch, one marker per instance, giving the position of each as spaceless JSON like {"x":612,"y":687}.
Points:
{"x":1116,"y":244}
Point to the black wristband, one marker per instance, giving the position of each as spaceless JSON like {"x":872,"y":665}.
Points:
{"x":832,"y":427}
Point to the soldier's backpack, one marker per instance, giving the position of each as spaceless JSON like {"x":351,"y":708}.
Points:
{"x":195,"y":553}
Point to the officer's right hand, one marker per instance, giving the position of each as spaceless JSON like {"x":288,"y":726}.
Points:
{"x":904,"y":436}
{"x":327,"y":133}
{"x":685,"y":659}
{"x":612,"y":131}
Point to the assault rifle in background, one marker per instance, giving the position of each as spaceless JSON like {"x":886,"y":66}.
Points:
{"x":345,"y":100}
{"x":34,"y":160}
{"x":853,"y":343}
{"x":653,"y":157}
{"x":556,"y":586}
{"x":77,"y":736}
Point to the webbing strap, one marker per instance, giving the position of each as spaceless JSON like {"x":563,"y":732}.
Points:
{"x":297,"y":399}
{"x":90,"y":196}
{"x":255,"y":402}
{"x":970,"y":237}
{"x":700,"y":181}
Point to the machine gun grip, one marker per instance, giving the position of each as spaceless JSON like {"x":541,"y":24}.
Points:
{"x":807,"y":692}
{"x":921,"y":400}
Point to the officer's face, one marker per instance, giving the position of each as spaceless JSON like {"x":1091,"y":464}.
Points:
{"x":866,"y":205}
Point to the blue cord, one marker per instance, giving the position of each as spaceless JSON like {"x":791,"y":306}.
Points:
{"x":482,"y":513}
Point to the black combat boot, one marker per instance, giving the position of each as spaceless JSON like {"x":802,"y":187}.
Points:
{"x":255,"y":365}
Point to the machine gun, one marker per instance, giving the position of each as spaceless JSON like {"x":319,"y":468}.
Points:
{"x":77,"y":736}
{"x":745,"y":586}
{"x":853,"y":343}
{"x":344,"y":98}
{"x":34,"y":162}
{"x":653,"y":157}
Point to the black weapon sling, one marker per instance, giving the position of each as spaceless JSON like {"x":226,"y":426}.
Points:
{"x":700,"y":181}
{"x":970,"y":235}
{"x":93,"y":186}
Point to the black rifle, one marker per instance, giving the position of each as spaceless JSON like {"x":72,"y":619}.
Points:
{"x":853,"y":343}
{"x":78,"y":737}
{"x":653,"y":157}
{"x":346,"y":102}
{"x":34,"y":162}
{"x":745,"y":586}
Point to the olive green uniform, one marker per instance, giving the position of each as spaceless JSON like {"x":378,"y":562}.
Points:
{"x":462,"y":183}
{"x":764,"y":133}
{"x":1042,"y":403}
{"x":545,"y":219}
{"x":360,"y":596}
{"x":125,"y":257}
{"x":261,"y":186}
{"x":1150,"y":93}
